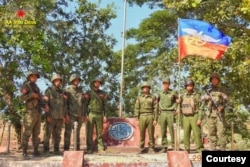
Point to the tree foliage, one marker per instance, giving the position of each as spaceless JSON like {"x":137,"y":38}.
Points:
{"x":53,"y":37}
{"x":156,"y":45}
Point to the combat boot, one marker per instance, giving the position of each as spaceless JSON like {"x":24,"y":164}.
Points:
{"x":36,"y":152}
{"x":46,"y":151}
{"x":78,"y":147}
{"x":25,"y":153}
{"x":66,"y":147}
{"x":56,"y":151}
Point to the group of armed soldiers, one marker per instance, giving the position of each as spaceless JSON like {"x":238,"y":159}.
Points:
{"x":62,"y":107}
{"x":195,"y":109}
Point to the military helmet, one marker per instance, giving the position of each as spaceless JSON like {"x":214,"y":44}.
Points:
{"x":73,"y":77}
{"x":56,"y":76}
{"x":33,"y":72}
{"x":189,"y":82}
{"x":214,"y":75}
{"x":166,"y":80}
{"x":145,"y":84}
{"x":97,"y":79}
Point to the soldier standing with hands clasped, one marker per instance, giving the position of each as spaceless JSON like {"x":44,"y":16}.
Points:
{"x":57,"y":101}
{"x":30,"y":94}
{"x":215,"y":100}
{"x":146,"y":113}
{"x":190,"y":106}
{"x":95,"y":104}
{"x":167,"y":109}
{"x":75,"y":110}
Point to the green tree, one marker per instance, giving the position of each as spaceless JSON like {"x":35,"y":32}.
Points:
{"x":156,"y":50}
{"x":51,"y":36}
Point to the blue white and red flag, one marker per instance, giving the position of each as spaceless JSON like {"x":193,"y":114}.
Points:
{"x":200,"y":38}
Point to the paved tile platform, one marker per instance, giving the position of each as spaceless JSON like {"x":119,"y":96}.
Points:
{"x":112,"y":158}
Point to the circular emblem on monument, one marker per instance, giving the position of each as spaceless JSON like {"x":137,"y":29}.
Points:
{"x":120,"y":131}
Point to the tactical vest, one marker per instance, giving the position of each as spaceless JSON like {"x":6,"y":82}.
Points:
{"x":188,"y":105}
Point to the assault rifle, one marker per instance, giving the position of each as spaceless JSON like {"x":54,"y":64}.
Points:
{"x":208,"y":88}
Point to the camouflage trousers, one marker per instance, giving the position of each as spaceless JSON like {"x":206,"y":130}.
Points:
{"x":68,"y":131}
{"x":216,"y":132}
{"x":53,"y":128}
{"x":32,"y":126}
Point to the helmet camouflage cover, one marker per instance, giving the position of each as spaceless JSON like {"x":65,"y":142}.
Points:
{"x":55,"y":76}
{"x":33,"y":72}
{"x":189,"y":82}
{"x":166,"y":80}
{"x":214,"y":75}
{"x":73,"y":77}
{"x":97,"y":79}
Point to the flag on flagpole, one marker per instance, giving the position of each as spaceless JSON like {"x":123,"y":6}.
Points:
{"x":200,"y":38}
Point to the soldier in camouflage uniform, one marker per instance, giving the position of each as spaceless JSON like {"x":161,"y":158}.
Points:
{"x":146,"y":113}
{"x":192,"y":114}
{"x":167,"y":109}
{"x":57,"y":101}
{"x":30,"y":94}
{"x":95,"y":103}
{"x":216,"y":103}
{"x":75,"y":110}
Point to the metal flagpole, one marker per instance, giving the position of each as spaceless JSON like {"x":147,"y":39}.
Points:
{"x":179,"y":89}
{"x":122,"y":58}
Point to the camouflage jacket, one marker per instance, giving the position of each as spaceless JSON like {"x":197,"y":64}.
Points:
{"x":57,"y":104}
{"x":26,"y":96}
{"x":75,"y":101}
{"x":220,"y":100}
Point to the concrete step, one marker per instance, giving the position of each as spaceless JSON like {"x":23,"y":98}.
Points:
{"x":109,"y":159}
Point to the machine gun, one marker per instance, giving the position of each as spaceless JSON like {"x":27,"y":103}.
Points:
{"x":208,"y":88}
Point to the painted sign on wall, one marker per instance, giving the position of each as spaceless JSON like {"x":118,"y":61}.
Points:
{"x":120,"y":131}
